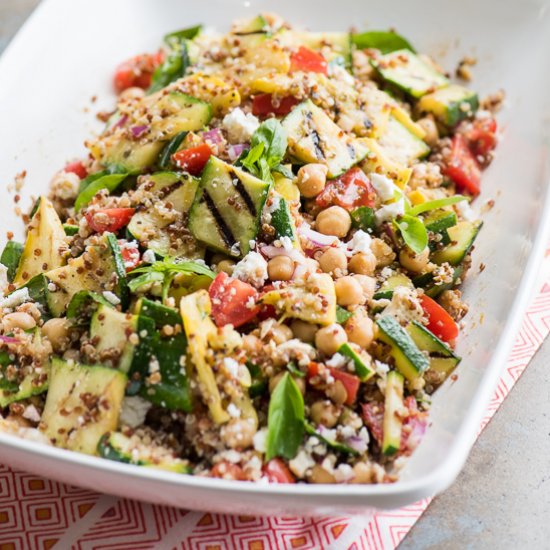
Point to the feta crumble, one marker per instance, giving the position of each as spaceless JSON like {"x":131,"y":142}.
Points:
{"x":301,"y":464}
{"x":466,"y":211}
{"x":240,"y":126}
{"x":3,"y":278}
{"x":259,"y":440}
{"x":383,"y":186}
{"x":390,"y":211}
{"x":252,"y":269}
{"x":360,"y":242}
{"x":16,"y":298}
{"x":111,"y":297}
{"x":133,"y":412}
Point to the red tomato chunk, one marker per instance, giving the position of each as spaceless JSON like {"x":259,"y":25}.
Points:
{"x":351,"y":190}
{"x":109,"y":219}
{"x":194,"y":159}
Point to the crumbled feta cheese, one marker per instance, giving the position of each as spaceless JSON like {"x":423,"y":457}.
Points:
{"x":273,"y":204}
{"x":240,"y":126}
{"x":381,"y":368}
{"x":404,"y":305}
{"x":16,"y":298}
{"x":343,"y":473}
{"x":111,"y":297}
{"x":31,"y":413}
{"x":133,"y":412}
{"x":301,"y":464}
{"x":65,"y":185}
{"x":466,"y":211}
{"x":286,"y":243}
{"x":252,"y":269}
{"x":383,"y":186}
{"x":231,"y":366}
{"x":360,"y":242}
{"x":3,"y":278}
{"x":337,"y":361}
{"x":233,"y":410}
{"x":390,"y":211}
{"x":259,"y":440}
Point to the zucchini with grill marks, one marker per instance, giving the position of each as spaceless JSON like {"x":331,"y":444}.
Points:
{"x":168,"y":235}
{"x":227,"y":209}
{"x":450,"y":105}
{"x":462,"y":237}
{"x":314,"y":137}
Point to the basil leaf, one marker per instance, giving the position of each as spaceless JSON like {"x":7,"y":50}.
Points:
{"x":435,"y":204}
{"x":165,"y":157}
{"x":385,"y":41}
{"x":11,"y":255}
{"x":363,"y":218}
{"x":259,"y":383}
{"x":183,"y":34}
{"x":285,"y":421}
{"x":335,"y":445}
{"x":174,"y":66}
{"x":413,"y":232}
{"x":83,"y":302}
{"x":107,"y":181}
{"x":342,"y":315}
{"x":273,"y":137}
{"x":294,"y":370}
{"x":283,"y":170}
{"x":145,"y":279}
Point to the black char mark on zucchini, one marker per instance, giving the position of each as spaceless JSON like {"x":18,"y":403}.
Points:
{"x":224,"y":229}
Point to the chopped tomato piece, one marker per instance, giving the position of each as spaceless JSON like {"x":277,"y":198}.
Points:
{"x":277,"y":472}
{"x":76,"y":168}
{"x":463,"y":167}
{"x":440,"y":322}
{"x":480,"y":135}
{"x":264,"y":105}
{"x":350,"y":382}
{"x":137,"y":71}
{"x":130,"y":254}
{"x":226,"y":470}
{"x":308,"y":61}
{"x":351,"y":190}
{"x":194,"y":159}
{"x":233,"y":301}
{"x":109,"y":219}
{"x":373,"y":415}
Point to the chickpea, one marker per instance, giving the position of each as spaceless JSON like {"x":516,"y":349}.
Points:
{"x":319,"y":475}
{"x":251,"y":343}
{"x":300,"y":382}
{"x":280,"y":268}
{"x":21,"y":320}
{"x":131,"y":93}
{"x":311,"y":179}
{"x":416,"y":263}
{"x":56,"y":331}
{"x":280,"y":333}
{"x":383,"y":252}
{"x":368,"y":285}
{"x":325,"y":412}
{"x":430,"y":127}
{"x":334,"y":221}
{"x":363,"y":263}
{"x":238,"y":433}
{"x":303,"y":330}
{"x":360,"y":330}
{"x":225,"y":266}
{"x":362,"y":473}
{"x":349,"y":291}
{"x":329,"y":339}
{"x":337,"y":392}
{"x":333,"y":261}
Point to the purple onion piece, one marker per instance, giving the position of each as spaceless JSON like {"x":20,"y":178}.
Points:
{"x":235,"y":151}
{"x":138,"y":131}
{"x":8,"y":339}
{"x":121,"y":121}
{"x":213,"y":136}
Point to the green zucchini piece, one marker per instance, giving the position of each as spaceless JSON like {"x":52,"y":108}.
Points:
{"x":83,"y":404}
{"x":108,"y":181}
{"x":426,"y":281}
{"x":407,"y":71}
{"x":70,"y":230}
{"x":258,"y":386}
{"x":282,"y":221}
{"x":314,"y":137}
{"x":165,"y":237}
{"x":390,"y":284}
{"x":427,"y":341}
{"x":444,"y":365}
{"x":392,"y":422}
{"x":462,"y":237}
{"x":409,"y":360}
{"x":227,"y":209}
{"x":255,"y":25}
{"x":335,"y":46}
{"x":362,"y":369}
{"x":342,"y":315}
{"x":45,"y":236}
{"x":11,"y":256}
{"x":161,"y":314}
{"x":401,"y":145}
{"x":330,"y":443}
{"x":165,"y":158}
{"x":450,"y":105}
{"x":385,"y":41}
{"x":438,"y":221}
{"x":83,"y":305}
{"x":120,"y":448}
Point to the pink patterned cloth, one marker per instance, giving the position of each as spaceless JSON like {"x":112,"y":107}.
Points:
{"x":36,"y":513}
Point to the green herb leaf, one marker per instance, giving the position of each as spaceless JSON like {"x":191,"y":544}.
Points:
{"x":259,"y":383}
{"x":284,"y":171}
{"x":11,"y":255}
{"x":165,"y":157}
{"x":435,"y":204}
{"x":273,"y":136}
{"x":174,"y":66}
{"x":183,"y":34}
{"x":145,"y":279}
{"x":385,"y":41}
{"x":363,"y":218}
{"x":413,"y":232}
{"x":285,"y":422}
{"x":342,"y":315}
{"x":105,"y":181}
{"x":84,"y":302}
{"x":335,"y":445}
{"x":294,"y":370}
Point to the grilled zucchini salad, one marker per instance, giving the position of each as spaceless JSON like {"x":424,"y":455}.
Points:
{"x":253,"y":274}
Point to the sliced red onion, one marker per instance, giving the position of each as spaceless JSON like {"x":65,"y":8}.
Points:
{"x":213,"y":136}
{"x":357,"y":444}
{"x":318,"y":240}
{"x":138,"y":131}
{"x":121,"y":121}
{"x":271,"y":251}
{"x":235,"y":151}
{"x":418,"y":429}
{"x":8,"y":339}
